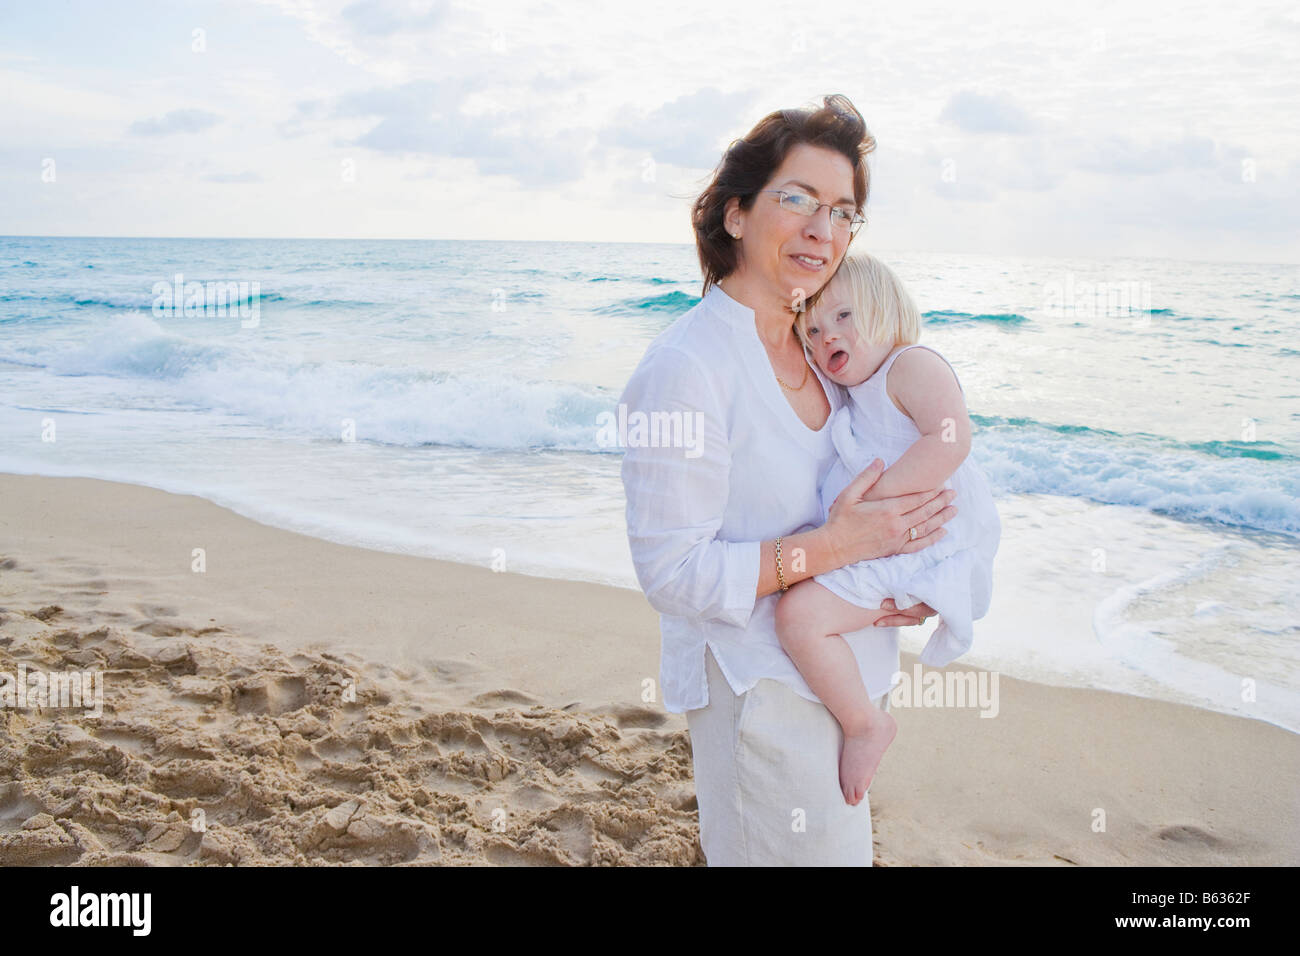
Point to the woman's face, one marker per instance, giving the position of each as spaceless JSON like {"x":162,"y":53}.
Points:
{"x":784,"y":254}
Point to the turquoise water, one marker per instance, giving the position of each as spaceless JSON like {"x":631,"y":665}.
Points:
{"x":1139,"y":421}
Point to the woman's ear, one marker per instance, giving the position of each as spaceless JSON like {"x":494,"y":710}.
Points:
{"x":731,"y":216}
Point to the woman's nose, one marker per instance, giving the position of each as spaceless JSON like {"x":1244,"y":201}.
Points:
{"x":819,"y":223}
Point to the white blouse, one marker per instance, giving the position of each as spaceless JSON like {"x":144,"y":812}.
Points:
{"x":716,"y":462}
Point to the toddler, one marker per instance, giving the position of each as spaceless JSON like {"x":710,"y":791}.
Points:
{"x":906,"y":408}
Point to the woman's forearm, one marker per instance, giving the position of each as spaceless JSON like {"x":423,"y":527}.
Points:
{"x":856,"y":530}
{"x":802,"y":556}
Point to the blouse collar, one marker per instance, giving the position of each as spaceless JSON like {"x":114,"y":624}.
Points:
{"x":727,"y":307}
{"x":741,"y":318}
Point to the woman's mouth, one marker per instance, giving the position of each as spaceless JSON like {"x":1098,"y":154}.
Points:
{"x":810,"y":263}
{"x":839,"y":358}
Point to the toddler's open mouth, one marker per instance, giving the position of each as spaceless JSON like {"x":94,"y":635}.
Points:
{"x":838,"y":359}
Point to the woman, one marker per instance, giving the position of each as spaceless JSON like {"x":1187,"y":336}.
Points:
{"x":721,"y":477}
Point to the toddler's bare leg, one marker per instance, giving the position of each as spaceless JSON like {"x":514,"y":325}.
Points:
{"x":809,"y":622}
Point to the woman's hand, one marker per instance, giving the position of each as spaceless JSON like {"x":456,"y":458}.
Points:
{"x":861,"y":530}
{"x":906,"y":617}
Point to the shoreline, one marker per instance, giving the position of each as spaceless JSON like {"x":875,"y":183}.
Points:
{"x":499,"y":717}
{"x":1113,"y":662}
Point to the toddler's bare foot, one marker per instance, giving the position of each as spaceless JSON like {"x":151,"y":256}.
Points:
{"x":861,"y":756}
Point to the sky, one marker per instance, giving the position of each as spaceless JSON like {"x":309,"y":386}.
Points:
{"x":1112,"y":129}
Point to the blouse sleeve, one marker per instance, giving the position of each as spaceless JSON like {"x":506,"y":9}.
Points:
{"x":676,"y":498}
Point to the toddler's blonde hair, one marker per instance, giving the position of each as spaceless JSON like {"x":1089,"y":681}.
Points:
{"x":883,"y":311}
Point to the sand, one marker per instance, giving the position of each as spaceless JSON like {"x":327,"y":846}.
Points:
{"x":303,"y":702}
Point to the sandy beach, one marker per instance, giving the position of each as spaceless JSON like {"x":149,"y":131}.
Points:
{"x":303,"y":702}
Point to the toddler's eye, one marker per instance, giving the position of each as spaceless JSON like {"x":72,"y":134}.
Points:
{"x":844,"y":314}
{"x":813,"y":330}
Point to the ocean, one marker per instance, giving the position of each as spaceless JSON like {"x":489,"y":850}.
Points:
{"x":1138,"y":419}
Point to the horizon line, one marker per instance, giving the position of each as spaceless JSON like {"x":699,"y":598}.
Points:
{"x":642,"y":242}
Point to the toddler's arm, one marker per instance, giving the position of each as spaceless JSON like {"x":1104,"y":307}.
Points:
{"x":925,"y":389}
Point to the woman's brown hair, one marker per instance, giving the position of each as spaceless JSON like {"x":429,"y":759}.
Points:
{"x":750,"y":163}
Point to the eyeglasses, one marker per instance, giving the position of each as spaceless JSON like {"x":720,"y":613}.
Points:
{"x":841,"y":218}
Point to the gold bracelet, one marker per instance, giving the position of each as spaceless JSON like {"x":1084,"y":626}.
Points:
{"x":780,"y":578}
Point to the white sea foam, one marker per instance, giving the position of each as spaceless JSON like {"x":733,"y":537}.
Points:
{"x":475,"y":375}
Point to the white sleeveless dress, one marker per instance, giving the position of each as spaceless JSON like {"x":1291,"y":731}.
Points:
{"x":953,"y":576}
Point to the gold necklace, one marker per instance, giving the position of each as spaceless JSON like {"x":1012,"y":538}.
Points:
{"x":794,"y":388}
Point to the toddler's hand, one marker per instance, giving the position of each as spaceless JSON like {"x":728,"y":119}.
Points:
{"x":905,"y":617}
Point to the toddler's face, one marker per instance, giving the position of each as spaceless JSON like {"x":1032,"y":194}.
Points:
{"x":834,"y":342}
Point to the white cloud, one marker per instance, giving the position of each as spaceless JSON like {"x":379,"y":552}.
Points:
{"x":977,"y":113}
{"x":175,"y":121}
{"x":1122,"y":156}
{"x":384,"y":17}
{"x":1021,"y":125}
{"x":247,"y":176}
{"x":685,"y":131}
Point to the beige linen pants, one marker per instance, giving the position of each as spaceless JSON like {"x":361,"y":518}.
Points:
{"x":767,"y":779}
